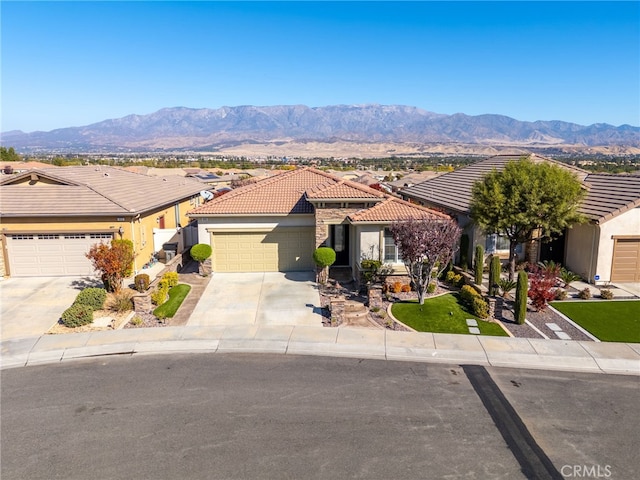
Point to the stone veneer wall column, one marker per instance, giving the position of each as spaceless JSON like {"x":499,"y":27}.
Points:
{"x":329,"y":216}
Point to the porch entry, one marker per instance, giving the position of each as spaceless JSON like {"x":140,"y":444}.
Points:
{"x":339,"y":238}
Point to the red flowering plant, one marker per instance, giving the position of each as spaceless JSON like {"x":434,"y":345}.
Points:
{"x":542,"y":282}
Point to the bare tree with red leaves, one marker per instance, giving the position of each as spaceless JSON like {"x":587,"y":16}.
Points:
{"x":426,"y":246}
{"x":113,"y":261}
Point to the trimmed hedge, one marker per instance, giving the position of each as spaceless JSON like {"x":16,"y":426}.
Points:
{"x":324,"y":256}
{"x":472,"y":300}
{"x":77,"y":315}
{"x":141,"y":282}
{"x":93,"y":297}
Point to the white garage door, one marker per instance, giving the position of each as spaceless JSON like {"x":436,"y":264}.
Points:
{"x":280,"y":250}
{"x":52,"y":255}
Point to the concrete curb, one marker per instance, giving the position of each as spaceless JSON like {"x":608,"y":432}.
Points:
{"x":605,"y":357}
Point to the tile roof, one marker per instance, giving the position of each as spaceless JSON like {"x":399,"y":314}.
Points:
{"x":393,"y":209}
{"x":90,"y":191}
{"x":609,"y":195}
{"x":290,"y":192}
{"x":453,"y":190}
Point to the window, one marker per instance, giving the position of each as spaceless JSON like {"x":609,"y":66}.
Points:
{"x":101,"y":235}
{"x":22,"y":237}
{"x":48,"y":237}
{"x":391,"y":253}
{"x":496,"y":243}
{"x":70,"y":236}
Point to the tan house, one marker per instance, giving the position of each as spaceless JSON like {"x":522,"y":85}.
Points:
{"x":277,"y":223}
{"x":607,"y":249}
{"x":50,"y":218}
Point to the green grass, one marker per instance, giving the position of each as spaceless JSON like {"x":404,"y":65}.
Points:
{"x":176,"y":295}
{"x":609,"y":321}
{"x":434,"y":316}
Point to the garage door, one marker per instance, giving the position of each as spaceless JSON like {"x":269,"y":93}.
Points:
{"x":280,"y":250}
{"x":51,"y":255}
{"x":626,"y":260}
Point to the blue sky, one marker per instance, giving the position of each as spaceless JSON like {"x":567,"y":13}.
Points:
{"x":75,"y":63}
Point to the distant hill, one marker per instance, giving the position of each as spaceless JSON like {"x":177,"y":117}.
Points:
{"x":214,"y":129}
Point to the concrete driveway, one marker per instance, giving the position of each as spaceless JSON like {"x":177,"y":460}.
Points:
{"x":30,"y":306}
{"x":268,"y":298}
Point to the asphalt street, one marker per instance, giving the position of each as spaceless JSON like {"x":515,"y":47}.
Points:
{"x":243,"y":416}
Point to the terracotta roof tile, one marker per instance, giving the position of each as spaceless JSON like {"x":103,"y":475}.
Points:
{"x":393,"y":209}
{"x":342,"y":189}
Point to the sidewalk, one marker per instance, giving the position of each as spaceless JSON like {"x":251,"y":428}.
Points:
{"x":619,"y":358}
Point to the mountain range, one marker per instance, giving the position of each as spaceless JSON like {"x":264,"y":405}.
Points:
{"x":206,"y":129}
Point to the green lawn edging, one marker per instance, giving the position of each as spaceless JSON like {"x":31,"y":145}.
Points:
{"x":609,"y":321}
{"x":442,"y":314}
{"x":177,"y":295}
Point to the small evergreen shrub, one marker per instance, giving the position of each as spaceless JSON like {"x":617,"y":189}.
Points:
{"x":449,"y":278}
{"x":324,"y":256}
{"x":478,"y":264}
{"x":141,"y":282}
{"x":431,"y":287}
{"x":560,"y":294}
{"x":585,"y":294}
{"x":77,"y":315}
{"x":479,"y":307}
{"x":459,"y":281}
{"x":467,"y":294}
{"x":160,"y":295}
{"x":505,"y":285}
{"x":171,"y":278}
{"x":606,"y":294}
{"x":464,"y":251}
{"x":568,"y":277}
{"x":522,"y":286}
{"x":92,"y":296}
{"x":473,"y":302}
{"x":494,"y":275}
{"x":200,"y":252}
{"x":136,"y":321}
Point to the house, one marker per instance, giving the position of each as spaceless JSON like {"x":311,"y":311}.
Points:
{"x":606,"y":249}
{"x":50,"y":218}
{"x":276,"y":224}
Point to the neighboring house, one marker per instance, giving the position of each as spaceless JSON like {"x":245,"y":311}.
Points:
{"x":277,"y":223}
{"x":50,"y":218}
{"x":12,"y":168}
{"x":594,"y":250}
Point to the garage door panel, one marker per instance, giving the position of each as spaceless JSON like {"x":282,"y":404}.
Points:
{"x":626,"y":260}
{"x":283,"y":249}
{"x":51,"y":254}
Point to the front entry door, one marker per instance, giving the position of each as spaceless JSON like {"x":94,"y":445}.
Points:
{"x":340,"y":243}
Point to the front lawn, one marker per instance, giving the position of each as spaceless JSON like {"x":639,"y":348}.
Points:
{"x":441,"y":314}
{"x":610,"y":321}
{"x":176,"y":295}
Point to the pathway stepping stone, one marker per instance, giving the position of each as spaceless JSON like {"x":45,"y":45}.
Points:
{"x":554,"y":326}
{"x":562,"y":335}
{"x":474,"y":330}
{"x":471,"y":322}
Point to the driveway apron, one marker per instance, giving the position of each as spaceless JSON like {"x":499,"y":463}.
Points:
{"x":30,"y":306}
{"x":265,"y":298}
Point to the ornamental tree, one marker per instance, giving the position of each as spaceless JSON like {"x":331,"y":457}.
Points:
{"x":526,"y":198}
{"x":200,"y":252}
{"x":426,"y":245}
{"x":113,"y":261}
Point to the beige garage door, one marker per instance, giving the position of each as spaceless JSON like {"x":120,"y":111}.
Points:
{"x":280,"y":250}
{"x":51,"y":255}
{"x":626,"y":260}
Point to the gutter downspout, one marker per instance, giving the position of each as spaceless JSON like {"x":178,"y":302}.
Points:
{"x":592,"y":272}
{"x":133,"y":238}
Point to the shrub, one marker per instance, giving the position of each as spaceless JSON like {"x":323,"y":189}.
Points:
{"x":606,"y":294}
{"x":136,"y":321}
{"x":397,"y":287}
{"x":126,"y":245}
{"x":113,"y":261}
{"x":77,"y":315}
{"x":543,"y":281}
{"x":478,"y":264}
{"x":449,"y":277}
{"x":171,"y":278}
{"x":560,"y":294}
{"x":370,"y":270}
{"x":405,"y":288}
{"x":324,"y":257}
{"x":160,"y":295}
{"x":585,"y":294}
{"x":467,"y":294}
{"x":200,"y":252}
{"x":479,"y":307}
{"x":459,"y":281}
{"x":431,"y":287}
{"x":568,"y":277}
{"x":505,"y":285}
{"x":121,"y":302}
{"x":520,"y":309}
{"x":141,"y":282}
{"x":92,"y":296}
{"x":464,"y":251}
{"x":494,"y":275}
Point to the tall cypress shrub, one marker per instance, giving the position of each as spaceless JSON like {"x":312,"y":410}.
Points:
{"x":479,"y":264}
{"x":464,"y":251}
{"x":521,"y":297}
{"x":494,"y":275}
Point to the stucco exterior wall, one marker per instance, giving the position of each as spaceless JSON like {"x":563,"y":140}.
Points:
{"x":581,"y":248}
{"x":625,"y":224}
{"x":229,"y":224}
